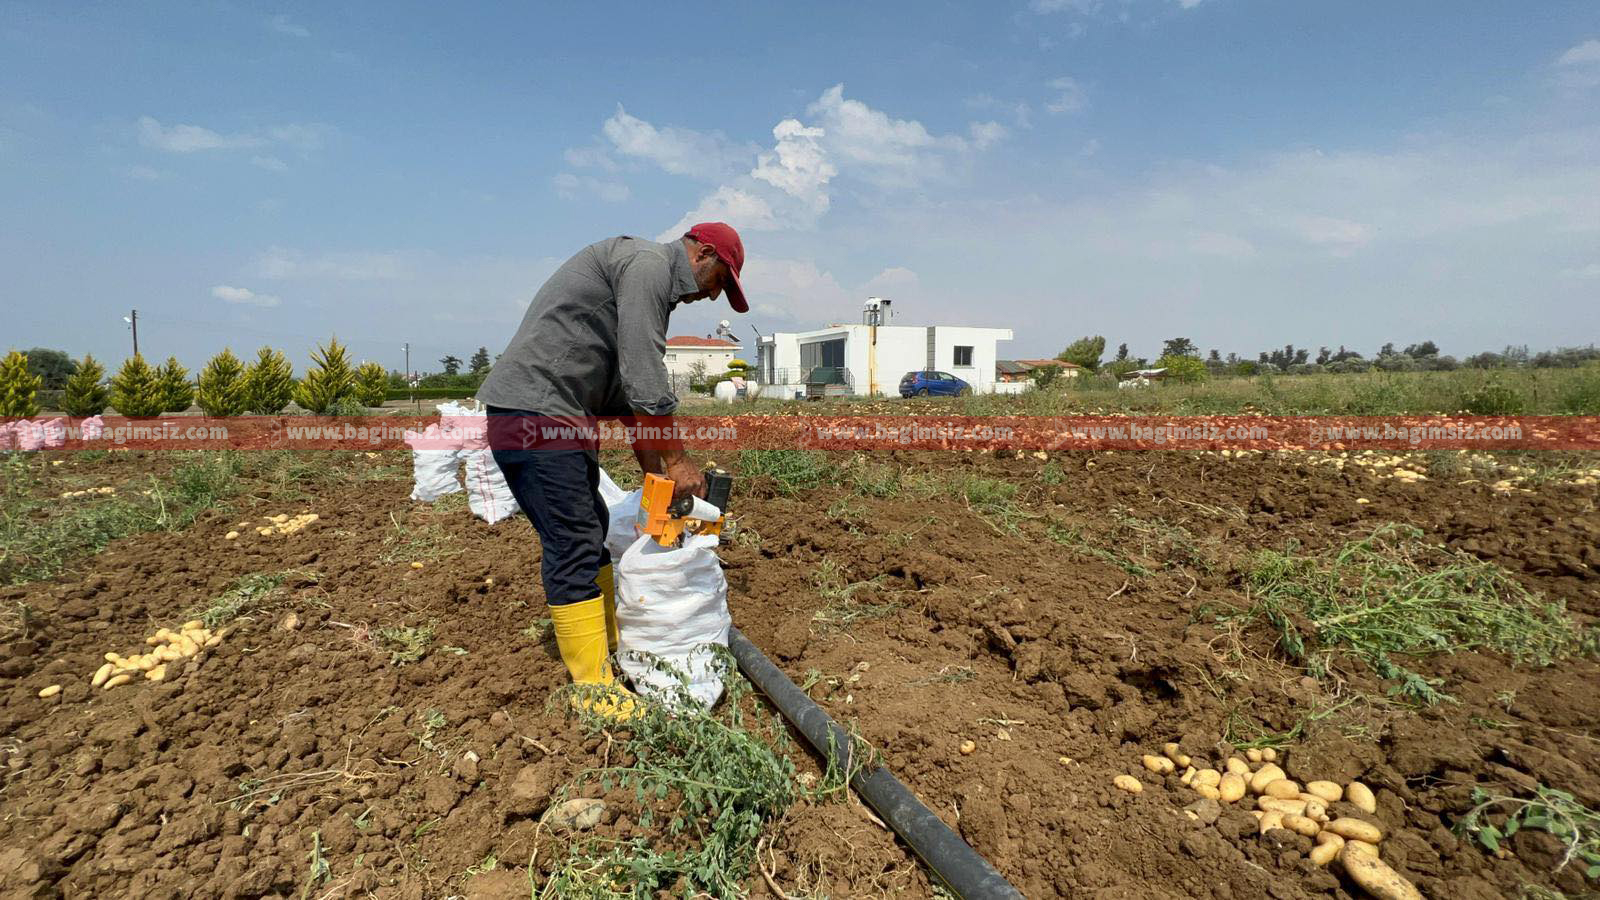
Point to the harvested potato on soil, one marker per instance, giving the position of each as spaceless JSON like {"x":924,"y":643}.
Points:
{"x":1208,"y":776}
{"x":1127,"y":783}
{"x":1301,"y":825}
{"x":1283,"y":789}
{"x":1159,"y":765}
{"x":1253,"y":755}
{"x":1239,"y":767}
{"x":1208,"y":792}
{"x":1269,"y":821}
{"x":1374,"y":876}
{"x":1329,"y":791}
{"x":968,"y":748}
{"x":51,"y":691}
{"x":1322,"y":854}
{"x":1231,"y":788}
{"x":1264,"y":776}
{"x":1361,"y":797}
{"x":1355,"y":830}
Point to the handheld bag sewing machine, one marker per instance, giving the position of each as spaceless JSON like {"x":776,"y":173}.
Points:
{"x":668,"y":521}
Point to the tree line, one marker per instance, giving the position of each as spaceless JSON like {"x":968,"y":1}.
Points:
{"x":225,"y":386}
{"x":1182,"y":359}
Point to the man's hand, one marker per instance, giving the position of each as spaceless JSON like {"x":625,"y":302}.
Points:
{"x":687,"y":479}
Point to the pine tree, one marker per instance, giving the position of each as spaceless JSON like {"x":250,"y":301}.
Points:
{"x":176,"y":390}
{"x":18,"y":387}
{"x":136,"y":390}
{"x":372,"y":384}
{"x":269,"y":383}
{"x":222,"y":386}
{"x":330,"y":381}
{"x":84,"y":395}
{"x":480,"y":362}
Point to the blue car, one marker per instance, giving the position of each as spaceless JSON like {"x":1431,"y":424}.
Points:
{"x":933,"y":384}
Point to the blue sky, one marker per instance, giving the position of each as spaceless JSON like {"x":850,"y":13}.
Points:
{"x":1241,"y":172}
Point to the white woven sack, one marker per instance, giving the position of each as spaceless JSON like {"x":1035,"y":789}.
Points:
{"x":672,"y":606}
{"x":487,"y":492}
{"x":435,"y":465}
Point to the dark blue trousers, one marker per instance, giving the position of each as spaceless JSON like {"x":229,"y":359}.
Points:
{"x":557,"y":484}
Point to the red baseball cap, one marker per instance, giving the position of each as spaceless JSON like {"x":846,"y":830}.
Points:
{"x":721,"y":237}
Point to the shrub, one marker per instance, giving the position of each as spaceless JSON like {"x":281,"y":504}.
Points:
{"x":53,"y":366}
{"x":269,"y":383}
{"x":1085,"y":351}
{"x":1185,"y":369}
{"x":85,"y":395}
{"x":1493,"y":398}
{"x":1044,"y":376}
{"x":222,"y":386}
{"x":331,"y":379}
{"x":176,"y":392}
{"x":19,"y":389}
{"x":372,"y":384}
{"x":1583,"y":397}
{"x":136,"y":390}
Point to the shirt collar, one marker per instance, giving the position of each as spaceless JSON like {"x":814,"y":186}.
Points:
{"x":682,"y":275}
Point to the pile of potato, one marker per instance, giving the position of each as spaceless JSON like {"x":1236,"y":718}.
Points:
{"x":169,"y":645}
{"x":282,"y":523}
{"x":88,"y":492}
{"x":1282,"y":803}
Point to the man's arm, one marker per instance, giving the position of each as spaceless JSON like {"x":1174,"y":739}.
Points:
{"x":644,"y":302}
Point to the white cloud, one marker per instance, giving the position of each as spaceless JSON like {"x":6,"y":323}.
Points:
{"x":797,"y":164}
{"x":883,"y":150}
{"x":680,"y":151}
{"x":740,"y":208}
{"x":189,"y":138}
{"x":243,"y":296}
{"x":1579,"y":66}
{"x":590,"y":158}
{"x":279,"y":263}
{"x":571,"y":187}
{"x":1021,"y":113}
{"x":282,"y":24}
{"x":987,"y":134}
{"x":1341,"y":236}
{"x":270,"y":163}
{"x":1069,"y":96}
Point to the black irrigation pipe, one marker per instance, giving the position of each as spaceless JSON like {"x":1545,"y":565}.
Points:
{"x":952,"y":859}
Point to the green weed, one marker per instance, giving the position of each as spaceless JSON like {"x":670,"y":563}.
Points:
{"x":789,"y":470}
{"x":1550,"y":810}
{"x":840,"y":608}
{"x":244,"y":596}
{"x":1390,"y":594}
{"x":416,"y":543}
{"x":406,"y":644}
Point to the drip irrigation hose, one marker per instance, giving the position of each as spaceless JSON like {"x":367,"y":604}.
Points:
{"x":952,"y":859}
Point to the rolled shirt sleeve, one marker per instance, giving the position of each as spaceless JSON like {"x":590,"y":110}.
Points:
{"x":645,"y":296}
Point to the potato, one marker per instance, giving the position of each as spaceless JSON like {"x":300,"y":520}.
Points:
{"x":1269,"y":754}
{"x":112,"y":657}
{"x":1253,"y":755}
{"x":1188,"y":775}
{"x":1361,"y":797}
{"x":1283,"y":789}
{"x":214,"y":640}
{"x":1264,"y":776}
{"x":1327,"y":837}
{"x":1170,"y":750}
{"x":1269,"y":821}
{"x":230,"y":535}
{"x":51,"y":691}
{"x":1329,"y":791}
{"x":1287,"y":807}
{"x":968,"y":748}
{"x":168,"y":654}
{"x":1231,"y":788}
{"x":1160,"y":765}
{"x":1208,"y":776}
{"x":1364,"y":847}
{"x":158,"y":673}
{"x":144,"y":663}
{"x":1207,"y":791}
{"x":1127,"y":783}
{"x":117,"y":681}
{"x":1302,"y":825}
{"x":417,"y":564}
{"x":101,"y":674}
{"x":1374,"y":876}
{"x":1315,"y":809}
{"x":1322,"y":854}
{"x":187,"y":646}
{"x":192,"y":625}
{"x":1238,"y":767}
{"x":1355,"y":830}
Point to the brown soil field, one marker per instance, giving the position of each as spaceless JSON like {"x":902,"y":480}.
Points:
{"x":1065,"y":632}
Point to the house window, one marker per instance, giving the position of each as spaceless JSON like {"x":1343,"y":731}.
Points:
{"x":963,"y":356}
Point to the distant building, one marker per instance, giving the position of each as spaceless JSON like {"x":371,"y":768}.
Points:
{"x":1009,"y":370}
{"x":868,"y":360}
{"x":683,"y":352}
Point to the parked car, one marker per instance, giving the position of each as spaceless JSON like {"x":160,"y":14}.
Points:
{"x":933,"y":384}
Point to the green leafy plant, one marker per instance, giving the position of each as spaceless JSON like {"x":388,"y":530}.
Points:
{"x":18,"y":388}
{"x":173,"y":381}
{"x":330,"y":380}
{"x":1494,"y":398}
{"x":85,"y":394}
{"x":1183,"y":369}
{"x":268,"y":383}
{"x":406,"y":644}
{"x":718,"y":779}
{"x":372,"y":384}
{"x":1390,"y":594}
{"x":789,"y":470}
{"x":1556,"y":812}
{"x":136,"y":389}
{"x":221,"y":386}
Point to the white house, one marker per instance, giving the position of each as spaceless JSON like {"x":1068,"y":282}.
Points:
{"x":683,"y":353}
{"x":869,"y":360}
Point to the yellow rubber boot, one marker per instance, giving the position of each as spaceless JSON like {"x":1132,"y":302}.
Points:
{"x":581,"y":636}
{"x":608,"y":596}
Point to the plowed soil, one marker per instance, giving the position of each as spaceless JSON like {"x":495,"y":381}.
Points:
{"x":1062,"y":666}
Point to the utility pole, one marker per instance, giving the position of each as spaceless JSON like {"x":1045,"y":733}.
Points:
{"x":409,"y":386}
{"x":133,"y":320}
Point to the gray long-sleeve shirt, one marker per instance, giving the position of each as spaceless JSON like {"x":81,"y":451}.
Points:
{"x":593,"y":340}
